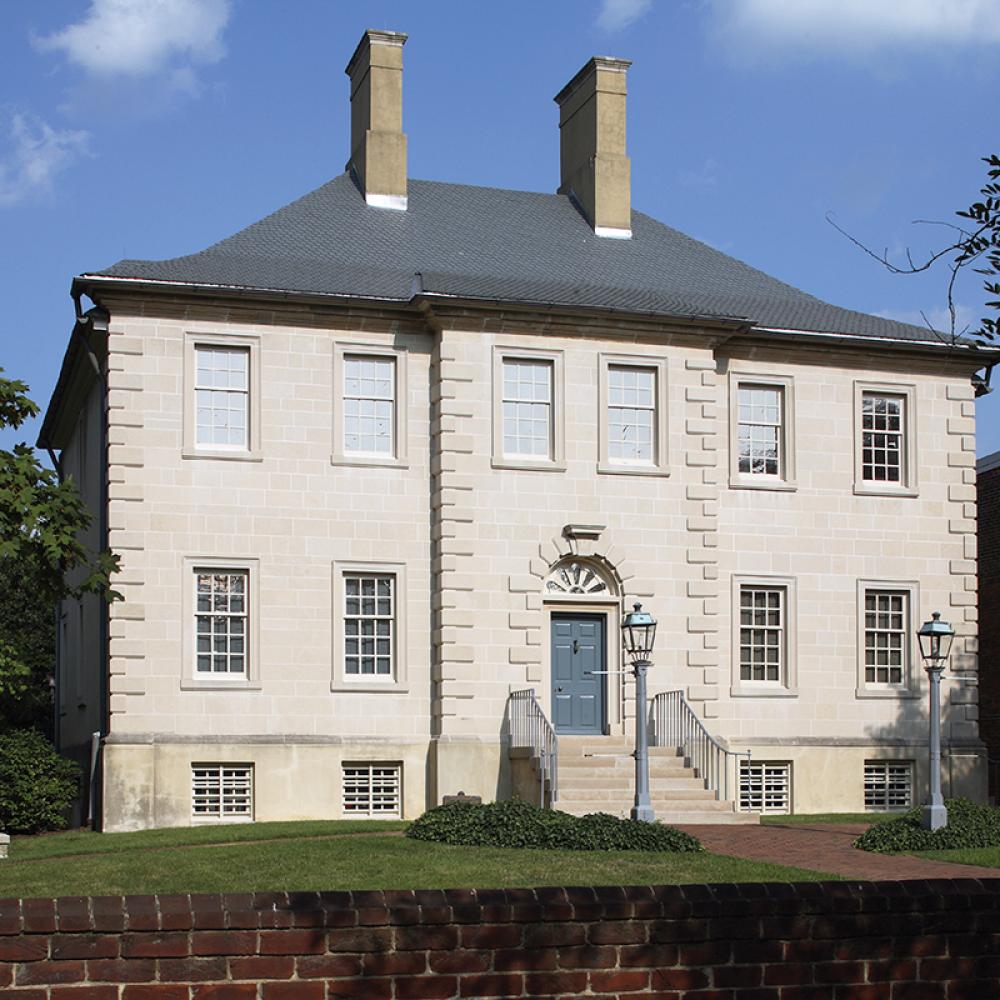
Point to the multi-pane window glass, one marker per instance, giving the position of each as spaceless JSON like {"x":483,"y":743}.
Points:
{"x":888,"y":785}
{"x":369,"y":608}
{"x":371,"y":789}
{"x":222,"y":791}
{"x":369,"y":405}
{"x":222,"y":394}
{"x":631,"y":414}
{"x":221,"y":617}
{"x":759,"y":429}
{"x":764,"y":787}
{"x":886,"y":630}
{"x":762,"y":633}
{"x":881,"y":438}
{"x":527,"y":409}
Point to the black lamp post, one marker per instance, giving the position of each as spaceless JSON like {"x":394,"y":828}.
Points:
{"x":638,"y":635}
{"x":935,"y":639}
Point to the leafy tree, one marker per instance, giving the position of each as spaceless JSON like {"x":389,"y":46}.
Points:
{"x":975,"y":247}
{"x":41,"y":520}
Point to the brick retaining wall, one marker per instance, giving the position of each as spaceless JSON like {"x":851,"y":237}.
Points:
{"x":778,"y":941}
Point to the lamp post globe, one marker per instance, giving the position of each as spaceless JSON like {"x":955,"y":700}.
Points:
{"x":935,"y":638}
{"x":638,"y":636}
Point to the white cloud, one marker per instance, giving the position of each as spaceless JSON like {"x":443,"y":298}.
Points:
{"x":36,"y":154}
{"x":617,"y":14}
{"x":857,"y":25}
{"x":142,"y":37}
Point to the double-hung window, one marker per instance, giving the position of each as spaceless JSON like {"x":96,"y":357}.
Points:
{"x":369,"y":618}
{"x":885,"y":460}
{"x":763,"y":636}
{"x":221,"y":623}
{"x":632,"y":428}
{"x":369,"y":405}
{"x":761,"y":439}
{"x":222,"y":395}
{"x":885,"y":638}
{"x":527,"y":409}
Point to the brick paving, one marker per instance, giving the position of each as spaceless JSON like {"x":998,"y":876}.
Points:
{"x":826,"y":847}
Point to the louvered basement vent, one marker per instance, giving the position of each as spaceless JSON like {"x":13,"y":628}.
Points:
{"x":372,"y":789}
{"x":222,"y":791}
{"x":888,"y":785}
{"x":765,"y":787}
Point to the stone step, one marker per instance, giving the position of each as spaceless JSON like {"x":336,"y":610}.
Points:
{"x":623,"y":763}
{"x":672,"y":815}
{"x":578,"y":782}
{"x":614,"y":803}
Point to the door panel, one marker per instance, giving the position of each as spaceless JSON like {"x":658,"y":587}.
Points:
{"x":578,"y":656}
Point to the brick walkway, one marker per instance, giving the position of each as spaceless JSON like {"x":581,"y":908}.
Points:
{"x":826,"y":847}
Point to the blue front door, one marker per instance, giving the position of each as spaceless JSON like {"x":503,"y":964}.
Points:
{"x":577,"y":673}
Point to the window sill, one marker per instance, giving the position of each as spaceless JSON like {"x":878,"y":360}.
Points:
{"x":528,"y":466}
{"x":369,"y":687}
{"x":864,"y":490}
{"x":609,"y":469}
{"x":891,"y":694}
{"x":743,"y":691}
{"x":773,"y":485}
{"x":225,"y":456}
{"x":213,"y":684}
{"x":365,"y":462}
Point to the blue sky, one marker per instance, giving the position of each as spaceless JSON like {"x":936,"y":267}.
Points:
{"x":151,"y":128}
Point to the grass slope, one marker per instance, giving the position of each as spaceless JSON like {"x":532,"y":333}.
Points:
{"x":799,"y":818}
{"x":272,"y":857}
{"x":985,"y":857}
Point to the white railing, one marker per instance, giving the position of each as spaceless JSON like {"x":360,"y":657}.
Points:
{"x":676,"y":725}
{"x":530,"y":728}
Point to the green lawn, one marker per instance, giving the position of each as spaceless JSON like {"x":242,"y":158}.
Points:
{"x":986,"y":857}
{"x":317,"y":856}
{"x":865,"y":817}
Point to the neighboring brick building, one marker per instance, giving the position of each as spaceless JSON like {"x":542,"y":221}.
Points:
{"x":404,"y":448}
{"x":988,"y":499}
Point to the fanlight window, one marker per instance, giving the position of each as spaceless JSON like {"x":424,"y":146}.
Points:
{"x":575,"y":578}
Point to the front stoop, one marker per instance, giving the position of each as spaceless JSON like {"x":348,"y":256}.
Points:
{"x":597,"y":774}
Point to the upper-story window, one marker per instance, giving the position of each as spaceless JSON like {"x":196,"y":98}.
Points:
{"x":222,"y":394}
{"x":527,"y":409}
{"x":369,"y":405}
{"x":762,"y":450}
{"x":885,"y":461}
{"x":631,"y":414}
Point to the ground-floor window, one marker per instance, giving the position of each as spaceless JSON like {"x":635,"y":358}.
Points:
{"x":765,"y":786}
{"x":372,"y":789}
{"x":888,"y":785}
{"x":222,"y":791}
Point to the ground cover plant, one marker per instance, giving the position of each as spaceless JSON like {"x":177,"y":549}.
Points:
{"x":970,"y":825}
{"x":269,"y":857}
{"x":519,"y":824}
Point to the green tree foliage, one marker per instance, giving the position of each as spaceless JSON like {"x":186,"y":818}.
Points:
{"x":41,"y":520}
{"x":37,"y":786}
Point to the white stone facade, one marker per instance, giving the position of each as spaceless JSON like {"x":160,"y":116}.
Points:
{"x":470,"y":541}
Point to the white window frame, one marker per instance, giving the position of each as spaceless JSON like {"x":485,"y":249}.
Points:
{"x":190,"y":678}
{"x":785,"y":479}
{"x":907,"y":486}
{"x":787,"y":684}
{"x":659,"y":465}
{"x":556,"y":460}
{"x":764,"y":767}
{"x":885,"y":765}
{"x":343,"y":350}
{"x":909,"y":688}
{"x":221,"y":816}
{"x":371,"y":766}
{"x":396,"y":682}
{"x":221,"y":341}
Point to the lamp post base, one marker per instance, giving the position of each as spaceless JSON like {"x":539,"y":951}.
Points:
{"x":934,"y":817}
{"x":644,"y":813}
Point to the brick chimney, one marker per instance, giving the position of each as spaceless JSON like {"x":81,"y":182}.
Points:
{"x":594,"y":169}
{"x":378,"y":143}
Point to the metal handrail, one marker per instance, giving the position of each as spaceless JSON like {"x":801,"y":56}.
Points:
{"x":530,"y":728}
{"x":675,"y":724}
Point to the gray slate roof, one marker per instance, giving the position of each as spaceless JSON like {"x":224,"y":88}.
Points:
{"x":487,"y":243}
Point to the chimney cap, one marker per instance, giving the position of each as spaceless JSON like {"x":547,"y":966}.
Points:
{"x":376,"y":37}
{"x":611,"y":63}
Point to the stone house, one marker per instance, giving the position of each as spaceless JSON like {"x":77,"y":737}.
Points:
{"x":387,"y":460}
